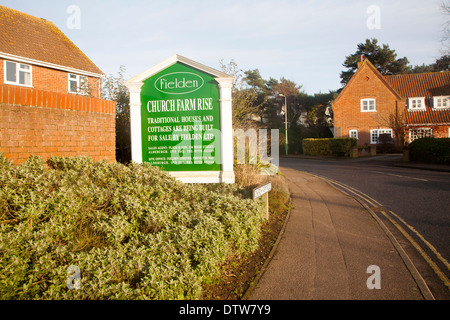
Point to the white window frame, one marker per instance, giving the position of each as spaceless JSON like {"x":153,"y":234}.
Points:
{"x":78,"y":79}
{"x":20,"y":67}
{"x":366,"y":105}
{"x":375,"y":133}
{"x":441,"y":102}
{"x":416,"y":104}
{"x":353,"y":134}
{"x":418,"y":133}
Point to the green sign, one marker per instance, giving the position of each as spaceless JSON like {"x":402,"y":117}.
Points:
{"x":180,"y":120}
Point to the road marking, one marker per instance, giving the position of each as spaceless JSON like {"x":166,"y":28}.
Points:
{"x":399,"y":176}
{"x":358,"y":193}
{"x":375,"y":203}
{"x":431,"y":263}
{"x":432,"y":248}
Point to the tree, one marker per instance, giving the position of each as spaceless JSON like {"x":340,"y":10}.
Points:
{"x":441,"y":64}
{"x":254,"y":95}
{"x":382,"y":57}
{"x":114,"y":89}
{"x":244,"y":103}
{"x":243,"y":107}
{"x":397,"y":122}
{"x":232,"y":69}
{"x":292,"y":92}
{"x":262,"y":92}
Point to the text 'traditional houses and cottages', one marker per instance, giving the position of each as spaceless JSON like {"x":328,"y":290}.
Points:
{"x":403,"y":107}
{"x":49,"y":94}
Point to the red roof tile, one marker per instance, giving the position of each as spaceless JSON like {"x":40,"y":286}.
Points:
{"x":35,"y":38}
{"x":427,"y":117}
{"x":425,"y":85}
{"x":420,"y":84}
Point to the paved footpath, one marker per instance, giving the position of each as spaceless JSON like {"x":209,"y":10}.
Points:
{"x":328,"y":244}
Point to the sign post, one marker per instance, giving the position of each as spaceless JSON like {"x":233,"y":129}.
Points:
{"x":181,"y":120}
{"x":263,"y":191}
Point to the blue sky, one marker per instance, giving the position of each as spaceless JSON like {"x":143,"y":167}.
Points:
{"x":303,"y":41}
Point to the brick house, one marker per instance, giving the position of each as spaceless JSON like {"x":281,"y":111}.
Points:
{"x":371,"y":103}
{"x":49,"y":94}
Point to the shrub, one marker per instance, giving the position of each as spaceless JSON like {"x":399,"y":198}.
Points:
{"x":249,"y":176}
{"x":328,"y":146}
{"x":134,"y":232}
{"x":279,"y":196}
{"x":434,"y":150}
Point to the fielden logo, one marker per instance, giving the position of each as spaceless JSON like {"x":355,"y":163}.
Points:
{"x":179,"y":83}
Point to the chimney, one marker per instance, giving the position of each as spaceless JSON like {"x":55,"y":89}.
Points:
{"x":361,"y":61}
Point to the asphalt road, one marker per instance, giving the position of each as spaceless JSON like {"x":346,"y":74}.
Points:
{"x":416,"y":201}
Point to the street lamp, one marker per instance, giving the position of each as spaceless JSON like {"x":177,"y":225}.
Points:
{"x":285,"y":120}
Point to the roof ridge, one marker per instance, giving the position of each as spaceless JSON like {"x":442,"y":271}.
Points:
{"x":426,"y":84}
{"x":366,"y":63}
{"x":416,"y":74}
{"x":23,"y":13}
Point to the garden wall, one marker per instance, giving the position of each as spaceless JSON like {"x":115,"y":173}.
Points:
{"x":43,"y":123}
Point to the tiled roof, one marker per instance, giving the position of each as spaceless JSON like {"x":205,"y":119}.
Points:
{"x":423,"y":85}
{"x":29,"y":37}
{"x":427,"y":117}
{"x":420,"y":84}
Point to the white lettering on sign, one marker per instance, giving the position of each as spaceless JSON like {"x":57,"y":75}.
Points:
{"x":258,"y":192}
{"x":177,"y":105}
{"x":176,"y":83}
{"x":179,"y":83}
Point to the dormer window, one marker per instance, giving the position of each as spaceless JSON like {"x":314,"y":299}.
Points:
{"x":416,"y":103}
{"x":441,"y":102}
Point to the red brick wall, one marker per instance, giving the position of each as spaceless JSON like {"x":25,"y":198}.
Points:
{"x":53,"y":80}
{"x":439,"y":131}
{"x":347,"y":107}
{"x":37,"y":122}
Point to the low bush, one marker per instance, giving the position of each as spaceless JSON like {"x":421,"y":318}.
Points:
{"x":328,"y":146}
{"x":433,"y":150}
{"x":133,"y":231}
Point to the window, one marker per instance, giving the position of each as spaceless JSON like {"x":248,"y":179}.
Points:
{"x":353,"y":134}
{"x":420,"y":133}
{"x":375,"y":134}
{"x":441,"y":102}
{"x":78,"y":84}
{"x":17,"y":73}
{"x":368,"y":105}
{"x":416,"y":103}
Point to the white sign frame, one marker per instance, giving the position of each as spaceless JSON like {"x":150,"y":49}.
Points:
{"x":225,"y":84}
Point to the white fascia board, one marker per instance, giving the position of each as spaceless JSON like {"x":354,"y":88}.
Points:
{"x":172,"y":60}
{"x":48,"y":65}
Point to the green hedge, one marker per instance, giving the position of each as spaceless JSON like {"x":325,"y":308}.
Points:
{"x":433,"y":150}
{"x":133,"y":231}
{"x":328,"y":146}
